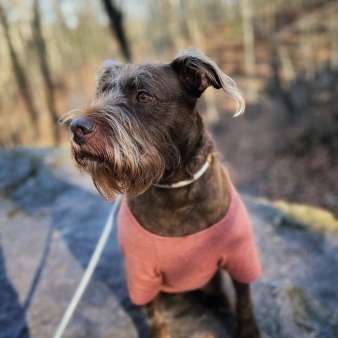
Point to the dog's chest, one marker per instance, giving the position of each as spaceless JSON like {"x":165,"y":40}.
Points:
{"x":182,"y":212}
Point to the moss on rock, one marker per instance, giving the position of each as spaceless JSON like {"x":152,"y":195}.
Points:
{"x":310,"y":315}
{"x":319,"y":219}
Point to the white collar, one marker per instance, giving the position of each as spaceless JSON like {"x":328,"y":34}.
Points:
{"x":187,"y":182}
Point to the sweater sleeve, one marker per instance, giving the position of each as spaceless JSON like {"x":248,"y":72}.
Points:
{"x":244,"y":266}
{"x":143,"y":281}
{"x":144,"y":278}
{"x":242,"y":261}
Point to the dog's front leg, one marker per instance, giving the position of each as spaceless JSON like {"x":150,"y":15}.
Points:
{"x":158,"y":327}
{"x":246,"y":326}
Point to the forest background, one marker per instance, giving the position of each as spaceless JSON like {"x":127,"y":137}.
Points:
{"x":282,"y":54}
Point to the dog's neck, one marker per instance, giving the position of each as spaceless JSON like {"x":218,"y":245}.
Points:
{"x":171,"y":208}
{"x":192,"y":157}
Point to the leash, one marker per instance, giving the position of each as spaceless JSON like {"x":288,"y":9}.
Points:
{"x":89,"y":271}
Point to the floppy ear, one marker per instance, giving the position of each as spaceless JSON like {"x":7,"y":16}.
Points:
{"x":197,"y":72}
{"x":106,"y":75}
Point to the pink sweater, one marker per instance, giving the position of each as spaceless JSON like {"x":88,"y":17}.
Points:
{"x":176,"y":264}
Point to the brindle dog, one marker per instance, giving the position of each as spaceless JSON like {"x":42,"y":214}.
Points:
{"x":142,"y":128}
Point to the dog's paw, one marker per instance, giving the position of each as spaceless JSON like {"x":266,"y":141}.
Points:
{"x":209,"y":335}
{"x":160,"y":331}
{"x":247,"y":329}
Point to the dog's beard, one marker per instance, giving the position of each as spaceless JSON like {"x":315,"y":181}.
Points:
{"x":114,"y":171}
{"x":122,"y":156}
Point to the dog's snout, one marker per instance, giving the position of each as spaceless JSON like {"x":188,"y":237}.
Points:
{"x":81,"y":128}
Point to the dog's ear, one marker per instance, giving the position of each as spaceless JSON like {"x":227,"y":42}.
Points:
{"x":106,"y":75}
{"x":197,"y":72}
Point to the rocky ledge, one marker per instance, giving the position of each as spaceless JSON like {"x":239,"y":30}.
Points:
{"x":51,"y":218}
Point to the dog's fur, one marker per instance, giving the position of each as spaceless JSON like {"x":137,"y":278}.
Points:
{"x":141,"y":128}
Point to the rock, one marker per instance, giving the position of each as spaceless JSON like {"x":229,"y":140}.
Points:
{"x":51,"y":218}
{"x":15,"y":168}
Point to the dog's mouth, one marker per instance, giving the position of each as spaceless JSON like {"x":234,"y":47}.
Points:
{"x":83,"y":156}
{"x":119,"y":159}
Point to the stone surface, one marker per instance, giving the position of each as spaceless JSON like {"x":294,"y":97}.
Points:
{"x":50,"y":220}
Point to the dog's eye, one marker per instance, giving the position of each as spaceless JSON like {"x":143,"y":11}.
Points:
{"x":143,"y":97}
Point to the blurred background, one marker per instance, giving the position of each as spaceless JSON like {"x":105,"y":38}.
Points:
{"x":282,"y":54}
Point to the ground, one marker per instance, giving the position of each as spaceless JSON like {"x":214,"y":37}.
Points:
{"x":51,"y":218}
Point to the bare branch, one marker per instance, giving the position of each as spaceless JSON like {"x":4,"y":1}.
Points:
{"x":116,"y":25}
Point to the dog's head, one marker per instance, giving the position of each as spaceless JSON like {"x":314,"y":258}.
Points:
{"x":142,"y":121}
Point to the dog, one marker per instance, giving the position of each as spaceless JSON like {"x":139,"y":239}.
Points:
{"x":181,"y":221}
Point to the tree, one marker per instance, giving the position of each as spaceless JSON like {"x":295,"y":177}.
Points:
{"x":249,"y":48}
{"x":20,"y":76}
{"x":45,"y":70}
{"x":116,"y":24}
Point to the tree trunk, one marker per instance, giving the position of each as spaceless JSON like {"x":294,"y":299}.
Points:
{"x":49,"y":87}
{"x":249,"y":49}
{"x":194,"y":29}
{"x":287,"y":67}
{"x":21,"y":77}
{"x":270,"y":15}
{"x":277,"y":87}
{"x":116,"y":24}
{"x":307,"y":51}
{"x":333,"y":29}
{"x":174,"y":25}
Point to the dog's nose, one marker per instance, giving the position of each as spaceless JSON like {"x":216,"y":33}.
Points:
{"x":81,"y":128}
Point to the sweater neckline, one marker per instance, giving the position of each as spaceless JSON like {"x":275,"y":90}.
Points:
{"x":233,"y":201}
